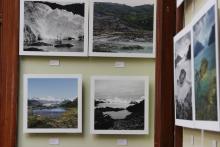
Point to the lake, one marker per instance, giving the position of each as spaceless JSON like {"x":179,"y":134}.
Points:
{"x":118,"y":115}
{"x":121,"y":44}
{"x":52,"y":113}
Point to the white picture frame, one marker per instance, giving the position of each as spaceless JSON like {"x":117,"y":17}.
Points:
{"x":179,"y":2}
{"x":204,"y":24}
{"x":121,"y":82}
{"x":41,"y":104}
{"x":113,"y":49}
{"x":45,"y":35}
{"x":183,"y":96}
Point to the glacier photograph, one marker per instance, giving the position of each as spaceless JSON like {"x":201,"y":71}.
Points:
{"x":123,"y":27}
{"x":54,"y":28}
{"x":119,"y":104}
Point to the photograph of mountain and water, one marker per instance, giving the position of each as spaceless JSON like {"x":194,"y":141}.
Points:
{"x":122,"y":28}
{"x":119,"y":105}
{"x":54,"y":28}
{"x":52,"y":103}
{"x":206,"y":67}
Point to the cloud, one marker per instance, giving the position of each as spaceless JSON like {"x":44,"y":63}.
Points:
{"x":51,"y":98}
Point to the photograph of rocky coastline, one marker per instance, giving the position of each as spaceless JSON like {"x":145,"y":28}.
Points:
{"x":53,"y":28}
{"x":124,"y":27}
{"x":119,"y":104}
{"x":53,"y":103}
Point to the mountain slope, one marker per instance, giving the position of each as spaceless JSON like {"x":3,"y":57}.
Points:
{"x":119,"y":17}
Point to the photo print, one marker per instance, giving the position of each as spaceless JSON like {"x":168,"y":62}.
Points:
{"x":122,"y":28}
{"x":179,"y":2}
{"x":183,"y":78}
{"x":119,"y":105}
{"x":54,"y":28}
{"x":52,"y":104}
{"x":206,"y":63}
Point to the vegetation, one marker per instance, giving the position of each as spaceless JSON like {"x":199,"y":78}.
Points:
{"x":139,"y":17}
{"x":67,"y":119}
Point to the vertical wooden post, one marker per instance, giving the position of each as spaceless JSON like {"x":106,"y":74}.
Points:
{"x":179,"y":26}
{"x":9,"y":72}
{"x":164,"y":108}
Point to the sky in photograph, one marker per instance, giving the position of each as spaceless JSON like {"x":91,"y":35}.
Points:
{"x":52,"y":88}
{"x":203,"y":27}
{"x":122,"y":89}
{"x":132,"y":2}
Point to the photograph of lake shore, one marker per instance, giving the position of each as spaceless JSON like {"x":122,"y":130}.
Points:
{"x":119,"y":105}
{"x":122,"y":29}
{"x":52,"y":104}
{"x":53,"y":28}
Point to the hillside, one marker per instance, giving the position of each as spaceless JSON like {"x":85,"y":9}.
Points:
{"x":122,"y":18}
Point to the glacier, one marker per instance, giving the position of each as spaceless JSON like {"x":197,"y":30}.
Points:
{"x":41,"y":22}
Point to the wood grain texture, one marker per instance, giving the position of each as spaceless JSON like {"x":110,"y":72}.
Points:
{"x":164,"y":108}
{"x":9,"y":73}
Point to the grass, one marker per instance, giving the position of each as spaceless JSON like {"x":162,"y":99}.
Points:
{"x":68,"y":119}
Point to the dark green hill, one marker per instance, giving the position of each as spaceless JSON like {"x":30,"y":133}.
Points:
{"x":119,"y":17}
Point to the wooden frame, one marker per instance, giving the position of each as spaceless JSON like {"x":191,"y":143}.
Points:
{"x":166,"y":133}
{"x":164,"y":128}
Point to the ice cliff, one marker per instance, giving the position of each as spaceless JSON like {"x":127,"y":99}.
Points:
{"x":42,"y":22}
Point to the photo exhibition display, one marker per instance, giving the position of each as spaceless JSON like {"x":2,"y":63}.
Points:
{"x":196,"y":64}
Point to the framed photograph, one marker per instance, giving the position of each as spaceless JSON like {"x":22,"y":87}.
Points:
{"x":206,"y":67}
{"x":179,"y":2}
{"x":54,"y":27}
{"x":183,"y":78}
{"x":52,"y":103}
{"x":119,"y":105}
{"x":122,"y":28}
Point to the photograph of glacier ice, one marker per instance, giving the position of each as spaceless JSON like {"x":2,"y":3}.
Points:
{"x":53,"y":26}
{"x":123,"y":26}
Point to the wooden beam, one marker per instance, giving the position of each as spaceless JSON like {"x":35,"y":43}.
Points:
{"x":179,"y":25}
{"x":9,"y":72}
{"x":164,"y":108}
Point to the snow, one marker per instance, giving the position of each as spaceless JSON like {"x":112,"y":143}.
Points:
{"x":49,"y":24}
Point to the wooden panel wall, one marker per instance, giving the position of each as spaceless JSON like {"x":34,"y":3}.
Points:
{"x":9,"y":72}
{"x":168,"y":22}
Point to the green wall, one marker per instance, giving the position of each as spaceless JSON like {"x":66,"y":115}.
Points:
{"x":87,"y":66}
{"x":201,"y":139}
